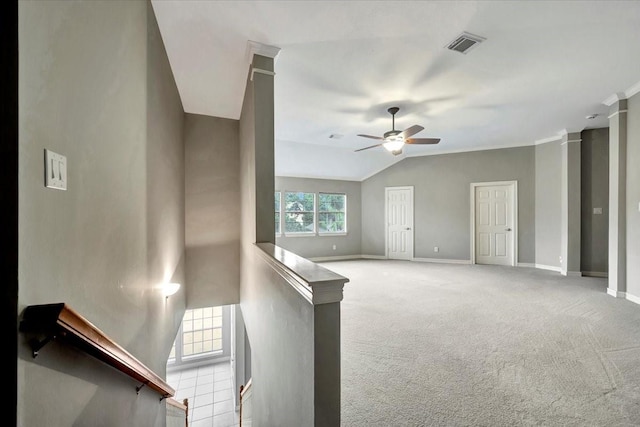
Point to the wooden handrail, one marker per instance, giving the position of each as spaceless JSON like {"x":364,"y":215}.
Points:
{"x":243,"y":390}
{"x":59,"y":321}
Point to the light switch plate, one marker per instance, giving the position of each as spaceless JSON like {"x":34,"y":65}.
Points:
{"x":597,"y":211}
{"x":55,"y":170}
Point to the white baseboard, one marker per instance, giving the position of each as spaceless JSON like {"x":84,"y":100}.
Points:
{"x":625,"y":295}
{"x":632,"y":298}
{"x":616,"y":294}
{"x":443,"y":260}
{"x":526,"y":264}
{"x":548,"y":267}
{"x":373,"y":257}
{"x":335,"y":258}
{"x":595,"y":274}
{"x":574,"y":274}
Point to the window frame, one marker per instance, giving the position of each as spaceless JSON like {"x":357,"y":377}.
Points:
{"x":316,"y":206}
{"x":344,"y":211}
{"x":279,"y":212}
{"x":284,"y":211}
{"x":180,"y":361}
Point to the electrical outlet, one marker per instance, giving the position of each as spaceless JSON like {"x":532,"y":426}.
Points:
{"x":597,"y":211}
{"x":334,"y":247}
{"x":55,"y":170}
{"x":436,"y":249}
{"x":560,"y":260}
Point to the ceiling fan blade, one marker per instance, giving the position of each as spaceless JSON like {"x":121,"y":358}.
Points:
{"x":371,"y":136}
{"x":422,"y":141}
{"x":411,"y":131}
{"x":366,"y":148}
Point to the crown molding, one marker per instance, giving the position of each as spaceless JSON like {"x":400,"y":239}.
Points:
{"x":632,"y":90}
{"x":614,"y":98}
{"x":622,"y":95}
{"x":256,"y":48}
{"x":549,"y":139}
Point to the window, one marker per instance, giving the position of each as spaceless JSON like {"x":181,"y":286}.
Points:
{"x":277,"y":209}
{"x":203,"y":334}
{"x":299,"y":214}
{"x":304,"y":213}
{"x":332,"y":213}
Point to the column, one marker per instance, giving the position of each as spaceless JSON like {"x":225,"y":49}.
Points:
{"x":570,"y":204}
{"x":617,"y":285}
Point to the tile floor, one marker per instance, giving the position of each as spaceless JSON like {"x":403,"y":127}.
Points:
{"x":210,"y":394}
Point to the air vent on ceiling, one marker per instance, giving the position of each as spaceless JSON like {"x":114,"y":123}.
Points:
{"x":465,"y":42}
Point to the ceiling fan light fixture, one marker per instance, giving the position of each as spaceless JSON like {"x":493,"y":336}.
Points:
{"x":395,"y":144}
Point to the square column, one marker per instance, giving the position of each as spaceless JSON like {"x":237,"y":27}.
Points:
{"x":617,"y":285}
{"x":570,"y":205}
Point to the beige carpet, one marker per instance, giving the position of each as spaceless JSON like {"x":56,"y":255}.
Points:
{"x":473,"y":345}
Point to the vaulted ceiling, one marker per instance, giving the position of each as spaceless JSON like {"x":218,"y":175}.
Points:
{"x":543,"y":68}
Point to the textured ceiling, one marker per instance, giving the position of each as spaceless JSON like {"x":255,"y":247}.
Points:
{"x":545,"y":66}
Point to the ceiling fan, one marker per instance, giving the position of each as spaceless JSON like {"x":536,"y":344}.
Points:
{"x":394,"y":139}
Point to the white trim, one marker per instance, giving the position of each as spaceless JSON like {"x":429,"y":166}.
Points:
{"x":616,"y":113}
{"x":514,"y":213}
{"x":443,"y":260}
{"x":335,"y":258}
{"x":261,"y":71}
{"x":526,"y":264}
{"x":257,"y":48}
{"x":632,"y":298}
{"x":550,"y":139}
{"x":595,"y":274}
{"x":373,"y":257}
{"x":615,"y":294}
{"x":549,"y":267}
{"x":613,"y":99}
{"x":573,"y":274}
{"x":386,"y":219}
{"x":632,"y":90}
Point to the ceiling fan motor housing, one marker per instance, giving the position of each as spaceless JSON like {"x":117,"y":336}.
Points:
{"x":390,"y":134}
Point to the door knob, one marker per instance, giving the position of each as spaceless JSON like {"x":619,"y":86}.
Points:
{"x":507,"y":229}
{"x":408,"y":228}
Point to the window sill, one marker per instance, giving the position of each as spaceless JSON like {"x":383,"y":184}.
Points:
{"x":312,"y":235}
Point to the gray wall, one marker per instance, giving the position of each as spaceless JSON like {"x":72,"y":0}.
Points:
{"x":633,"y":197}
{"x":322,"y":246}
{"x":95,"y":85}
{"x":278,"y":323}
{"x":548,"y":204}
{"x":442,"y":200}
{"x":594,"y":194}
{"x":212,"y":179}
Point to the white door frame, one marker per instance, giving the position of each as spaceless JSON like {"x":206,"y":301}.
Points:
{"x":386,"y":218}
{"x":514,"y":235}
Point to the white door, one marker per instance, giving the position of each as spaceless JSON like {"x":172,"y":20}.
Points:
{"x":494,"y":224}
{"x":399,"y":215}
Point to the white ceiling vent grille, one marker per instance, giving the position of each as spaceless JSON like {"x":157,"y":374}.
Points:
{"x":465,"y":42}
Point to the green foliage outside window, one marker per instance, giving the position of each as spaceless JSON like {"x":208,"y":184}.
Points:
{"x":277,"y":210}
{"x":299,"y":212}
{"x":332,"y":213}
